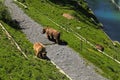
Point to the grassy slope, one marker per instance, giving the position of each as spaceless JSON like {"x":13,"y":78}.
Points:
{"x":41,"y":10}
{"x":13,"y":66}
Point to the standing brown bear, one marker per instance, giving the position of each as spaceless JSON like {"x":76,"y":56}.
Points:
{"x":99,"y":47}
{"x":52,"y":34}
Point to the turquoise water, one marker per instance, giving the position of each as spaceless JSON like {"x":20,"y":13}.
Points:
{"x":108,"y":13}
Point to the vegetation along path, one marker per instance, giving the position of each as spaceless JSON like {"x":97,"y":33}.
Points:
{"x":66,"y":58}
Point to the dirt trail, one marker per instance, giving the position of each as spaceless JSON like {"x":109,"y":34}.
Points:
{"x":66,"y":58}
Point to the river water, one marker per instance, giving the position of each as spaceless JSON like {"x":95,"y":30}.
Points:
{"x":108,"y":13}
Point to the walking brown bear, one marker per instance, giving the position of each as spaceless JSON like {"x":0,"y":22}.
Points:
{"x":40,"y":50}
{"x":52,"y":34}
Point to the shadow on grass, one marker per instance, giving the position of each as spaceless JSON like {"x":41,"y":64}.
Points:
{"x":46,"y":58}
{"x":61,"y":42}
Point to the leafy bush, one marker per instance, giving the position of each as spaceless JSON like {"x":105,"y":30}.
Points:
{"x":4,"y":13}
{"x":6,"y":17}
{"x":21,"y":1}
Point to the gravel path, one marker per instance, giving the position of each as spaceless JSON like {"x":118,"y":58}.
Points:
{"x":66,"y":58}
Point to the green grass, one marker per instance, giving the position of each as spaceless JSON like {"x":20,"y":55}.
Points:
{"x":41,"y":10}
{"x":13,"y":65}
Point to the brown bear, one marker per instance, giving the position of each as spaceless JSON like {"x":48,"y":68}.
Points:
{"x":99,"y":47}
{"x":40,"y":50}
{"x":52,"y":34}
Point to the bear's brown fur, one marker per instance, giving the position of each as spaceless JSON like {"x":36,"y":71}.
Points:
{"x":39,"y":49}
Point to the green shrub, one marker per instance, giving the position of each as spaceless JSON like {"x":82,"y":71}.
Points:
{"x":6,"y":17}
{"x":21,"y":1}
{"x":4,"y":13}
